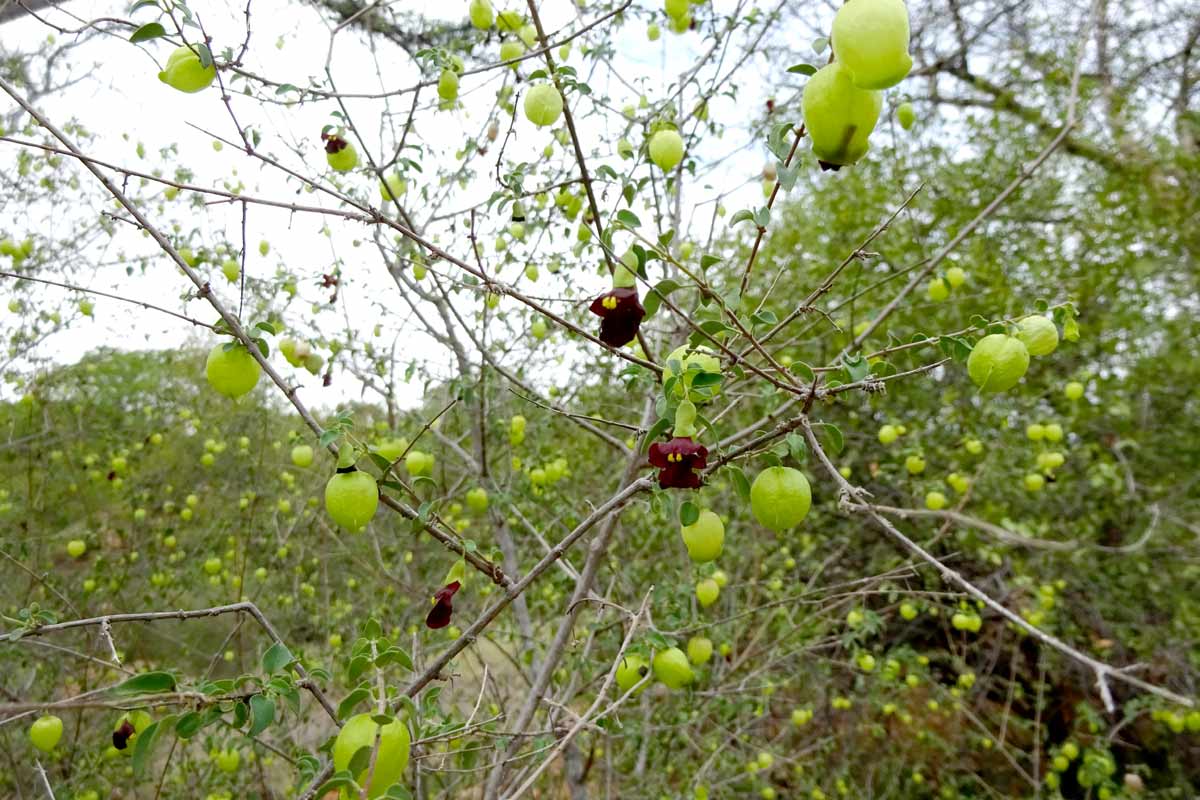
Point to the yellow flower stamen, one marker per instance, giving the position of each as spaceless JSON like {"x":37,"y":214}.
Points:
{"x":609,"y":302}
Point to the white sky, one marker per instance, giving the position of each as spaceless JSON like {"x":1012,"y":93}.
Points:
{"x":124,"y":96}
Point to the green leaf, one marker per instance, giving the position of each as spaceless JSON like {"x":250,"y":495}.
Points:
{"x":688,"y":513}
{"x":707,"y":261}
{"x":656,"y":430}
{"x":656,"y":295}
{"x":819,"y":44}
{"x":146,"y":740}
{"x":628,"y":219}
{"x":745,"y":215}
{"x":262,"y":713}
{"x":147,"y":683}
{"x":833,"y":435}
{"x":740,"y":482}
{"x":151,"y":30}
{"x":803,"y":69}
{"x":340,"y":780}
{"x":189,"y":725}
{"x":285,"y":88}
{"x":394,"y":655}
{"x":803,"y":370}
{"x":346,"y":707}
{"x":276,"y":658}
{"x":206,"y":59}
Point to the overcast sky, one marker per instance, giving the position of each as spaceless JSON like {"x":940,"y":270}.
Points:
{"x":123,"y":96}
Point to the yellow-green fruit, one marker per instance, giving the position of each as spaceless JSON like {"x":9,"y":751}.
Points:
{"x":343,"y":160}
{"x":391,"y":449}
{"x":76,"y":548}
{"x":780,"y":498}
{"x":870,"y":37}
{"x":914,"y":464}
{"x":676,"y":8}
{"x":481,"y":13}
{"x":888,"y":434}
{"x":543,"y":105}
{"x":906,"y":116}
{"x":45,"y":732}
{"x":956,"y":277}
{"x":359,"y":732}
{"x":392,"y":186}
{"x":511,"y":49}
{"x":351,"y":499}
{"x":302,"y":455}
{"x":666,"y":149}
{"x":938,"y":290}
{"x":935,"y":501}
{"x":1073,"y":390}
{"x":1034,"y":482}
{"x":839,"y":116}
{"x":509,"y":20}
{"x":997,"y":362}
{"x":699,"y":650}
{"x":228,"y":761}
{"x":231,"y":270}
{"x":447,"y":87}
{"x":672,"y":668}
{"x":707,"y":592}
{"x":1053,"y":432}
{"x":477,"y":500}
{"x":689,"y":361}
{"x":184,"y":71}
{"x":528,"y":35}
{"x":233,"y":372}
{"x":418,"y":463}
{"x":1039,"y":335}
{"x":631,"y":670}
{"x":653,"y":32}
{"x":705,"y":537}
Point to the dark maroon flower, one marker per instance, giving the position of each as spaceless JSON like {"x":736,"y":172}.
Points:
{"x":120,"y":737}
{"x":826,"y":166}
{"x":333,"y":142}
{"x":677,"y":461}
{"x":620,"y":314}
{"x":443,"y":606}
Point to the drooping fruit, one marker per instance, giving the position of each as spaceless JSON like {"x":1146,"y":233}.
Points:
{"x":915,"y":464}
{"x":707,"y":592}
{"x":704,"y":538}
{"x":935,"y":501}
{"x":351,"y":499}
{"x":45,"y":732}
{"x":481,"y":13}
{"x":391,"y":449}
{"x":418,"y":463}
{"x":447,"y":86}
{"x":340,"y":154}
{"x":997,"y":362}
{"x":359,"y":732}
{"x":1039,"y":335}
{"x":1073,"y":390}
{"x":228,"y":761}
{"x":511,"y":49}
{"x":232,"y":371}
{"x":780,"y":498}
{"x":76,"y":548}
{"x":870,"y":37}
{"x":938,"y":290}
{"x":666,"y":149}
{"x":127,"y":729}
{"x":302,"y":455}
{"x":1034,"y":482}
{"x":888,"y":434}
{"x":699,"y":650}
{"x":393,"y":186}
{"x":631,"y":670}
{"x":231,"y":269}
{"x":185,"y":72}
{"x":543,"y":105}
{"x":906,"y":116}
{"x":839,"y":116}
{"x":672,"y":668}
{"x":956,"y":277}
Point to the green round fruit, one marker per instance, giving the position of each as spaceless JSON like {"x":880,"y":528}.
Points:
{"x":997,"y":362}
{"x":888,"y":434}
{"x":391,"y":759}
{"x":418,"y":463}
{"x":481,"y":13}
{"x":511,"y":49}
{"x":1073,"y":390}
{"x":870,"y":37}
{"x":228,"y":761}
{"x":1034,"y":482}
{"x":477,"y":500}
{"x":699,"y":650}
{"x":393,"y":186}
{"x":938,"y":290}
{"x":707,"y":592}
{"x":343,"y":160}
{"x":391,"y":449}
{"x":676,"y":8}
{"x":76,"y":548}
{"x":447,"y":86}
{"x":666,"y":149}
{"x":935,"y":501}
{"x":780,"y":498}
{"x":704,"y":538}
{"x":672,"y":668}
{"x":351,"y":499}
{"x":906,"y":116}
{"x":233,"y":372}
{"x":45,"y":732}
{"x":543,"y":105}
{"x":1039,"y":334}
{"x":956,"y":277}
{"x":631,"y":670}
{"x":839,"y":116}
{"x":185,"y":72}
{"x":302,"y":456}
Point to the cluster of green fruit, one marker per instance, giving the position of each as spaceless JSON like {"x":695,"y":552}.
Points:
{"x":18,"y":252}
{"x":679,"y":17}
{"x":842,"y":100}
{"x":940,"y":287}
{"x":999,"y":360}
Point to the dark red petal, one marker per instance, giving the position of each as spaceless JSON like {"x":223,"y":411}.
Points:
{"x":443,"y":607}
{"x":658,"y":455}
{"x":120,"y":737}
